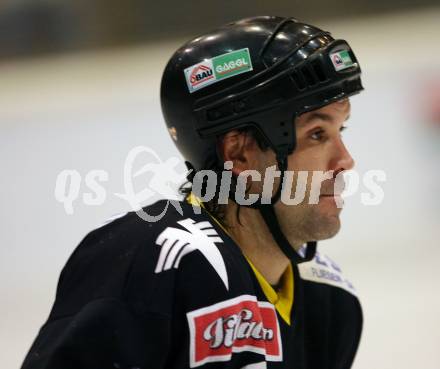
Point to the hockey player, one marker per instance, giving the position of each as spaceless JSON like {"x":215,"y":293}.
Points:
{"x":228,"y":285}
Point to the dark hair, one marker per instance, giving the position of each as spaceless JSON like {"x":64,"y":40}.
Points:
{"x":217,"y":210}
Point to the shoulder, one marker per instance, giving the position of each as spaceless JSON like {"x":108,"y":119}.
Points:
{"x":118,"y":239}
{"x":101,"y":265}
{"x":127,"y":232}
{"x":137,"y":257}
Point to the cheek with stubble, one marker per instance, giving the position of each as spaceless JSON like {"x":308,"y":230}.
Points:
{"x":316,"y":217}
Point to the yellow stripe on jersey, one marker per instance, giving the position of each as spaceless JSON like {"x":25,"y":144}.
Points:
{"x":283,"y":299}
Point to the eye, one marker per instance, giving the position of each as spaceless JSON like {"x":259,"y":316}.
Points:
{"x":317,"y":135}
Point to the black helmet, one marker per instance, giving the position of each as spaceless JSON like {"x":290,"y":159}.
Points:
{"x":259,"y":72}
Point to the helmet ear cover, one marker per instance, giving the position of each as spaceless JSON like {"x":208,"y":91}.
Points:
{"x":271,"y":100}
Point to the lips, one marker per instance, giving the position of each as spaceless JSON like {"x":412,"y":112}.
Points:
{"x":328,"y":188}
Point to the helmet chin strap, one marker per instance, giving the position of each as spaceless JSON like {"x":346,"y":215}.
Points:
{"x":267,"y":211}
{"x":270,"y":218}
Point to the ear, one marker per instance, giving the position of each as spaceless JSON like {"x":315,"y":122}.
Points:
{"x":240,"y":148}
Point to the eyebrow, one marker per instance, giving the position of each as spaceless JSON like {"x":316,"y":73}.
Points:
{"x":321,"y":116}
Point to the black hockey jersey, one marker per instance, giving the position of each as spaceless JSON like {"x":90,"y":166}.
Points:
{"x":179,"y":293}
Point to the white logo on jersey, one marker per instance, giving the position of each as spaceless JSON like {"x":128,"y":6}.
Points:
{"x":176,"y":243}
{"x":322,"y":269}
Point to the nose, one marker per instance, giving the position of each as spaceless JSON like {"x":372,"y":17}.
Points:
{"x":342,"y":160}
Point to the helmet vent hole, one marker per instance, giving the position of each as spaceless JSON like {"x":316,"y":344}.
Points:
{"x":214,"y":114}
{"x":299,"y":81}
{"x":319,"y":71}
{"x":308,"y":76}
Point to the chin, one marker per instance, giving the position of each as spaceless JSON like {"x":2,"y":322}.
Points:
{"x":327,"y":233}
{"x":313,"y":228}
{"x":328,"y":228}
{"x":324,"y":225}
{"x":310,"y":223}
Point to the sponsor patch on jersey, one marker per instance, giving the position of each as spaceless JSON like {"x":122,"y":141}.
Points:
{"x":322,"y":269}
{"x":217,"y":68}
{"x":341,"y":60}
{"x":232,"y":326}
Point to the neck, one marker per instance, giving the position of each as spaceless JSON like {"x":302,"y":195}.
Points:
{"x":256,"y":242}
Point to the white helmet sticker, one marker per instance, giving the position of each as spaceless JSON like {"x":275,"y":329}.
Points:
{"x":217,"y":68}
{"x":341,"y":60}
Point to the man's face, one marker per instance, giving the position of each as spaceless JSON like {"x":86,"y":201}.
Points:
{"x":319,"y":148}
